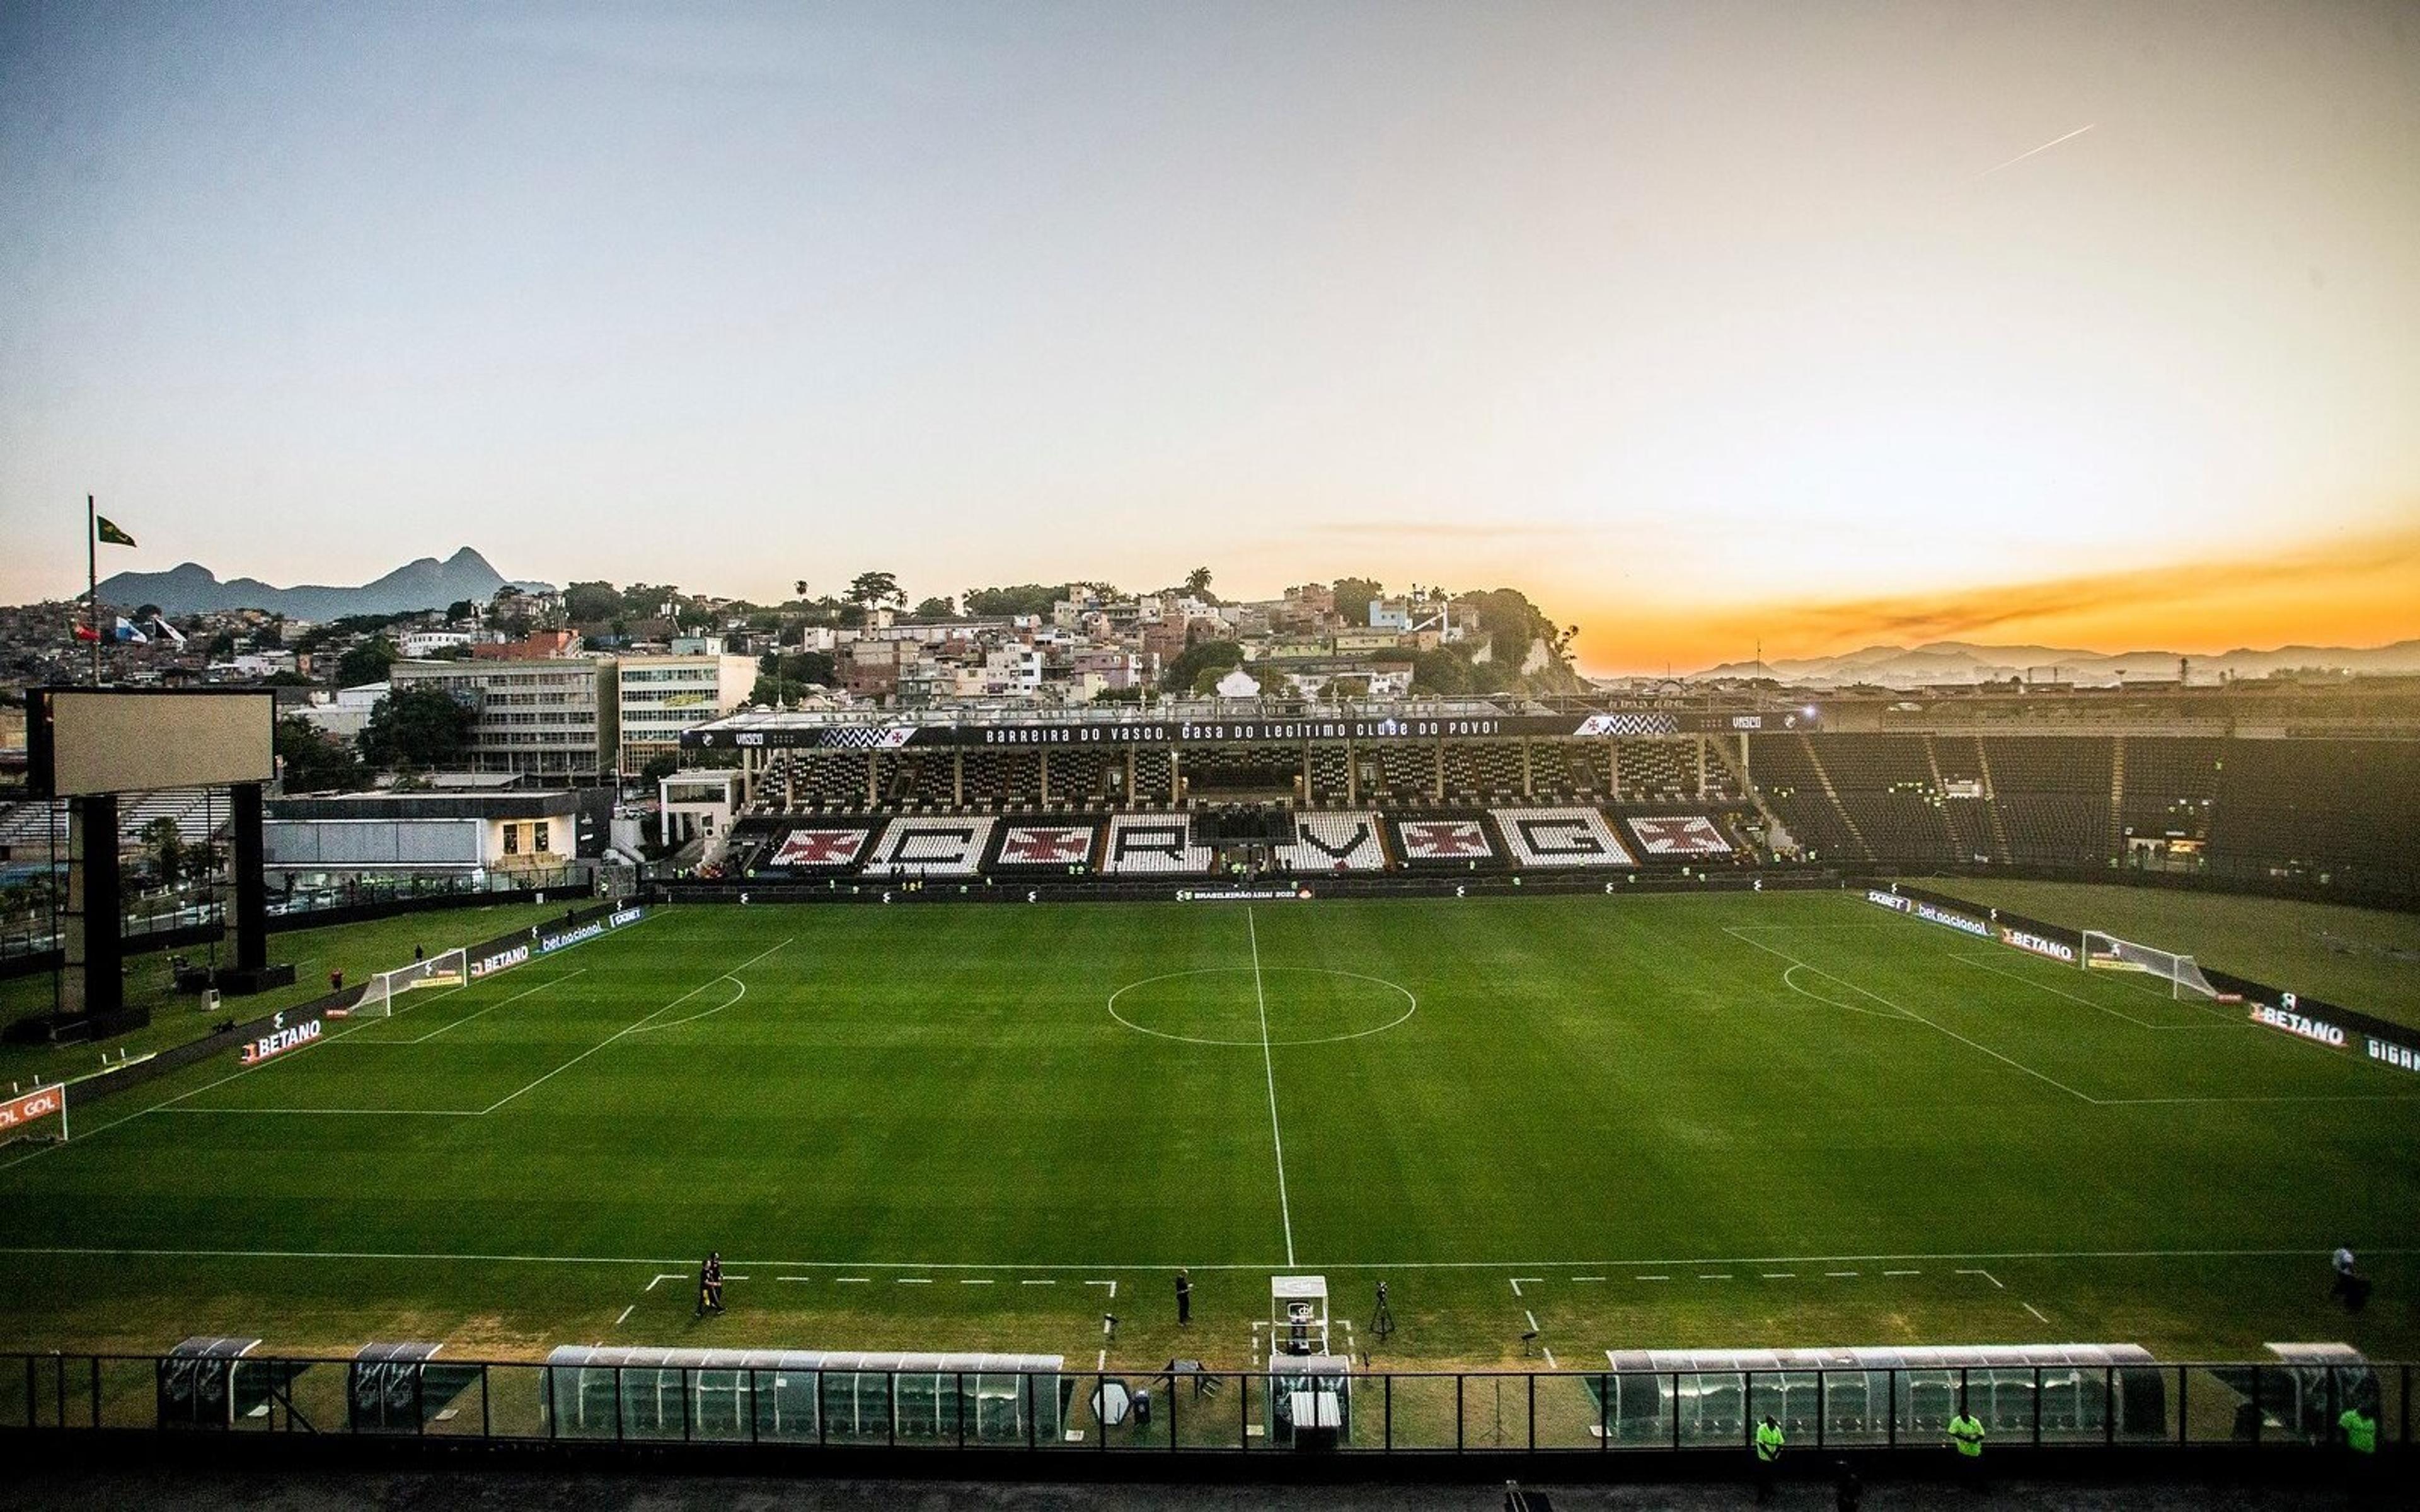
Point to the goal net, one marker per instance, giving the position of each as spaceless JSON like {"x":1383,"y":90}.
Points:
{"x":38,"y":1114}
{"x":2110,"y":953}
{"x":383,"y":997}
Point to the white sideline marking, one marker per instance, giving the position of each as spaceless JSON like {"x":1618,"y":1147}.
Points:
{"x":2031,"y":1308}
{"x":1587,"y":1278}
{"x":793,"y":1278}
{"x":735,"y":1278}
{"x":1903,"y":1272}
{"x":1102,"y":1361}
{"x":1111,"y":1285}
{"x":1550,"y":1357}
{"x":1986,"y":1275}
{"x":1270,"y":1064}
{"x":1532,"y":1318}
{"x":626,"y":1315}
{"x":1655,"y":1278}
{"x":1718,"y":1276}
{"x":1037,"y":1283}
{"x":1837,"y":1274}
{"x":854,"y":1280}
{"x":669,"y":1276}
{"x":1780,"y":1275}
{"x":915,"y":1280}
{"x":968,"y":1281}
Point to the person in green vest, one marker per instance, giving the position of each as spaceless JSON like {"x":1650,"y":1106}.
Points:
{"x":1966,"y":1437}
{"x":2359,"y":1427}
{"x":1768,"y":1456}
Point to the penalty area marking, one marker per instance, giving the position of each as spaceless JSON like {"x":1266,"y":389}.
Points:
{"x":1412,"y":1006}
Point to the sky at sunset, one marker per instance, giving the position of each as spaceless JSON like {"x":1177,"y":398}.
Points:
{"x":1706,"y":322}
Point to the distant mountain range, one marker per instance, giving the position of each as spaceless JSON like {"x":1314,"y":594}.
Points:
{"x":1959,"y":661}
{"x":426,"y":583}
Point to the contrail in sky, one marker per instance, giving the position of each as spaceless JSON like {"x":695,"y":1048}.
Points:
{"x":2044,"y":148}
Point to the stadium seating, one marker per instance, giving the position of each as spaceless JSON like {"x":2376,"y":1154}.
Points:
{"x":1783,"y":768}
{"x":1460,"y":843}
{"x":952,"y":847}
{"x":1564,"y":837}
{"x":1052,"y":845}
{"x":1677,"y":837}
{"x":1329,"y":841}
{"x":2170,"y":785}
{"x":2340,"y":811}
{"x":1153,"y":845}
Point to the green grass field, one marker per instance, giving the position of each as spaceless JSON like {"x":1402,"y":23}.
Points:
{"x":2363,"y":958}
{"x":1735,"y":1119}
{"x":358,"y":949}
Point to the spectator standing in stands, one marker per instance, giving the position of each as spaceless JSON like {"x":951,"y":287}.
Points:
{"x":1769,"y":1442}
{"x":1183,"y":1298}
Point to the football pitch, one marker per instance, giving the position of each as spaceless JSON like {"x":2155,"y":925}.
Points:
{"x":1737,"y":1120}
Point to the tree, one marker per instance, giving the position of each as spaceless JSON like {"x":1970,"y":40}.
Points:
{"x":1016,"y":598}
{"x":871,"y":588}
{"x":799,"y":586}
{"x":586,"y":603}
{"x":937,"y":609}
{"x":1353,"y":596}
{"x":310,"y":762}
{"x":1197,"y":582}
{"x":460,"y":609}
{"x":780,"y":676}
{"x":365,"y":663}
{"x":166,"y":849}
{"x":1214,"y":656}
{"x":417,"y":726}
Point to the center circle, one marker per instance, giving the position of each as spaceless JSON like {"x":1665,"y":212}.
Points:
{"x":1304,"y":1005}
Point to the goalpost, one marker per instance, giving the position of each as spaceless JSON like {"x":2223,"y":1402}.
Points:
{"x":448,"y":969}
{"x":39,"y":1115}
{"x":2109,"y":953}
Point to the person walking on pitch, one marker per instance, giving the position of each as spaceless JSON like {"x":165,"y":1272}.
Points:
{"x":709,"y":1284}
{"x":1183,"y":1298}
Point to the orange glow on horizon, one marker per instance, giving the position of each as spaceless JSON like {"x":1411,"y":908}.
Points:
{"x":2362,"y":591}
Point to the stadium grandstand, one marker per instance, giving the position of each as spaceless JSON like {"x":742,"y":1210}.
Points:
{"x":1610,"y":785}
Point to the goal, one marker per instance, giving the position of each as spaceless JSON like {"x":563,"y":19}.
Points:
{"x":2108,"y":952}
{"x":450,"y":968}
{"x":37,"y":1115}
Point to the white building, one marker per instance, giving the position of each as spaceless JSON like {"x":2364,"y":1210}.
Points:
{"x":418,"y":645}
{"x":661,"y":696}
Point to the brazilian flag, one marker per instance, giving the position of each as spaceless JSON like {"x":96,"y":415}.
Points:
{"x":110,"y":534}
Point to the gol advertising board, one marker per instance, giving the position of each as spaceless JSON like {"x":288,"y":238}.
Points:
{"x":40,"y":1102}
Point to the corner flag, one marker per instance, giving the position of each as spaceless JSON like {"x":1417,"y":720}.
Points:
{"x":109,"y":533}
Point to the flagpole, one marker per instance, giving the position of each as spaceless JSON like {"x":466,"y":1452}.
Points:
{"x":92,"y":582}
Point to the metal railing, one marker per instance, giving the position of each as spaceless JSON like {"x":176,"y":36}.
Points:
{"x":2251,"y":1407}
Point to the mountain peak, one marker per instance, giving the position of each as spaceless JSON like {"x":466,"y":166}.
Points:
{"x":423,"y":584}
